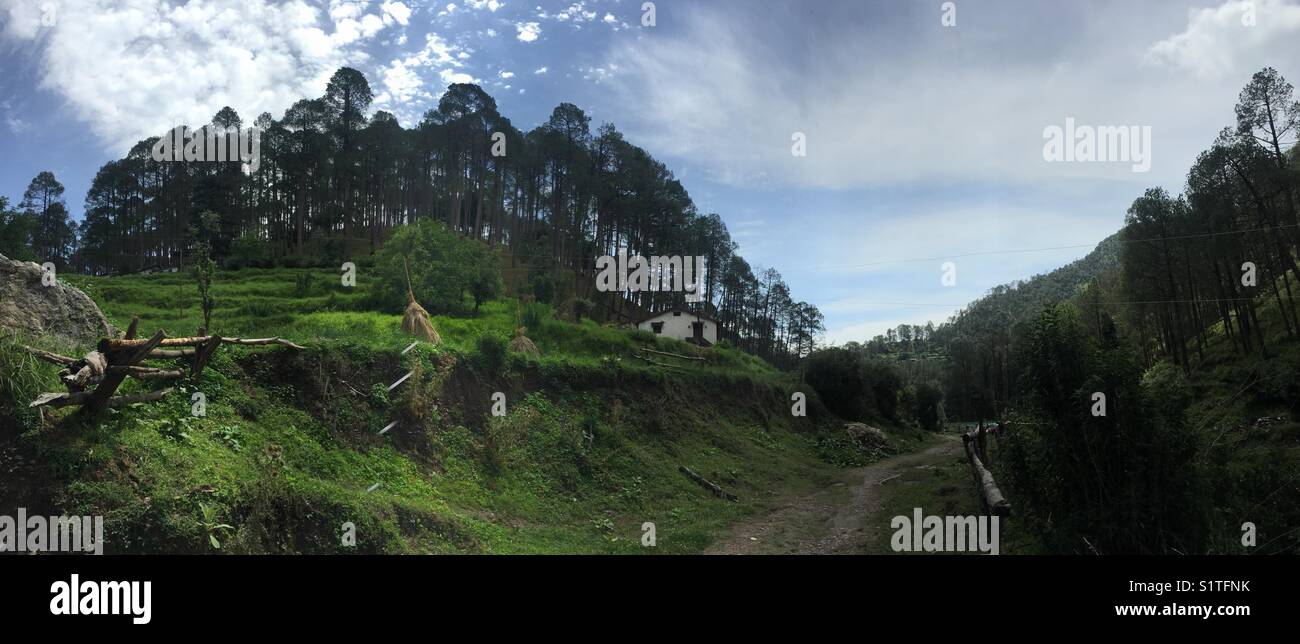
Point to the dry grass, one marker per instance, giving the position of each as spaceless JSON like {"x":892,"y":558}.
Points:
{"x":522,"y":344}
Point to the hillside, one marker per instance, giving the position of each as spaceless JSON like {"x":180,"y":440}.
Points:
{"x":289,"y":449}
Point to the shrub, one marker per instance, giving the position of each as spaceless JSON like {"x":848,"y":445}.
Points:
{"x":248,"y":251}
{"x":534,"y":315}
{"x":443,"y":267}
{"x":491,"y":352}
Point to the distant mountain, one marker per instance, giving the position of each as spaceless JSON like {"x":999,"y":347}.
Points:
{"x":1024,"y":299}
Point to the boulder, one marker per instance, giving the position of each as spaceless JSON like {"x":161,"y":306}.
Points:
{"x":61,"y":311}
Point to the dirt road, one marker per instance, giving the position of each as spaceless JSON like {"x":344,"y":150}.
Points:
{"x":840,"y":519}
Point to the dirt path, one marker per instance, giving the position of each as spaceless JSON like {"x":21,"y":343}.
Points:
{"x":835,"y":520}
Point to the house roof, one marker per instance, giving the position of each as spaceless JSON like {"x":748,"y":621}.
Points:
{"x":699,"y":316}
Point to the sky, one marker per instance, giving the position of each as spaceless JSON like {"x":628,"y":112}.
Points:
{"x":922,"y":123}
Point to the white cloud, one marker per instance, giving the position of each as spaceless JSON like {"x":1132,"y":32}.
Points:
{"x":134,"y":69}
{"x":527,"y":31}
{"x":905,"y":101}
{"x":403,"y":79}
{"x":1219,"y":39}
{"x":540,"y":70}
{"x":396,"y":11}
{"x":505,"y":74}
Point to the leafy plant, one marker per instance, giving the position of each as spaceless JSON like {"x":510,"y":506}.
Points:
{"x":211,"y":525}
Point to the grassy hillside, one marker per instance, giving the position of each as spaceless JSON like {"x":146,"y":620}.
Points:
{"x":588,"y":451}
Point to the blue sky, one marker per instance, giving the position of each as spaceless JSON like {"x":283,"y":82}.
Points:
{"x":924,"y":123}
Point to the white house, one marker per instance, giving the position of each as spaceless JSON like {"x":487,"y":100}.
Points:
{"x":684,"y":325}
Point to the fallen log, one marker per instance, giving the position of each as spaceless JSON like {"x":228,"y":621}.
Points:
{"x":83,"y":397}
{"x":989,"y":492}
{"x":712,"y":487}
{"x":657,"y":363}
{"x":121,"y":344}
{"x":675,"y":355}
{"x":159,"y":354}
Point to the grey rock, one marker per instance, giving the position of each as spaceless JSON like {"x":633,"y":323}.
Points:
{"x":59,"y":310}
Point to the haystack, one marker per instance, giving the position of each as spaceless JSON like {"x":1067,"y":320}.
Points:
{"x":522,"y":344}
{"x":415,"y":321}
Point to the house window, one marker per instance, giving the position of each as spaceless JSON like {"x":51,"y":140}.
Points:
{"x":658,"y":327}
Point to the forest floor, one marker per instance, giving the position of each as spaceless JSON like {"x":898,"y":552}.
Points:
{"x":852,"y":515}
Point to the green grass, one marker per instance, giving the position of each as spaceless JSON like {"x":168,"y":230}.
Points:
{"x":587,"y":452}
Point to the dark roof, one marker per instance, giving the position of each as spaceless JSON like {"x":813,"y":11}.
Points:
{"x":689,"y":312}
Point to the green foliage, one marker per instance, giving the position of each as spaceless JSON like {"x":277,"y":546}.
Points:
{"x":15,"y":232}
{"x":533,"y":316}
{"x":204,"y":266}
{"x":22,"y":377}
{"x":1123,"y":482}
{"x":852,"y":386}
{"x":543,"y":287}
{"x":249,"y":251}
{"x":443,"y":265}
{"x":492,"y":351}
{"x":581,"y":307}
{"x":929,"y":406}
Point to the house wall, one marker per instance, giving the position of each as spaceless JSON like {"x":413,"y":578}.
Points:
{"x":679,"y":327}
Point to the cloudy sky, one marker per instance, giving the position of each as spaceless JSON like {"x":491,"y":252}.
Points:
{"x":923,"y":120}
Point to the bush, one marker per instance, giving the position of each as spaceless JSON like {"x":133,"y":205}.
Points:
{"x":1127,"y":482}
{"x":582,"y":307}
{"x":248,"y":251}
{"x":534,"y":315}
{"x":443,"y":265}
{"x":491,"y":352}
{"x":837,"y":375}
{"x":543,"y":286}
{"x":929,"y":406}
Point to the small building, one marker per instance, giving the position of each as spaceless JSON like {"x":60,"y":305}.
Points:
{"x":682,"y":324}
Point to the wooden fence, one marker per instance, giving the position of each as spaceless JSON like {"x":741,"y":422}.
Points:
{"x":991,"y":497}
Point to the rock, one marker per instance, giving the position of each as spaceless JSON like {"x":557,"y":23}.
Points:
{"x":59,"y":310}
{"x":866,"y":435}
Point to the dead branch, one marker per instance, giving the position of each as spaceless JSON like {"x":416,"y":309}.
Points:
{"x":675,"y":355}
{"x":84,"y":398}
{"x":47,"y":356}
{"x":712,"y":487}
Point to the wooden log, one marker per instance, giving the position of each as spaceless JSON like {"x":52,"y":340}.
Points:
{"x":159,"y":354}
{"x":47,"y":356}
{"x":109,"y":346}
{"x":148,"y":373}
{"x":83,"y":398}
{"x":712,"y":487}
{"x":100,"y":397}
{"x":204,"y":352}
{"x":657,"y":363}
{"x":989,"y":492}
{"x":84,"y":372}
{"x":675,"y":355}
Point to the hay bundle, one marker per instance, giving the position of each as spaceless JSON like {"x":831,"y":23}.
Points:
{"x":522,"y":344}
{"x":415,"y":321}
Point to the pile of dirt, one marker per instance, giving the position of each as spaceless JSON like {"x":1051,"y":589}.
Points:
{"x":868,"y":437}
{"x":30,"y":308}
